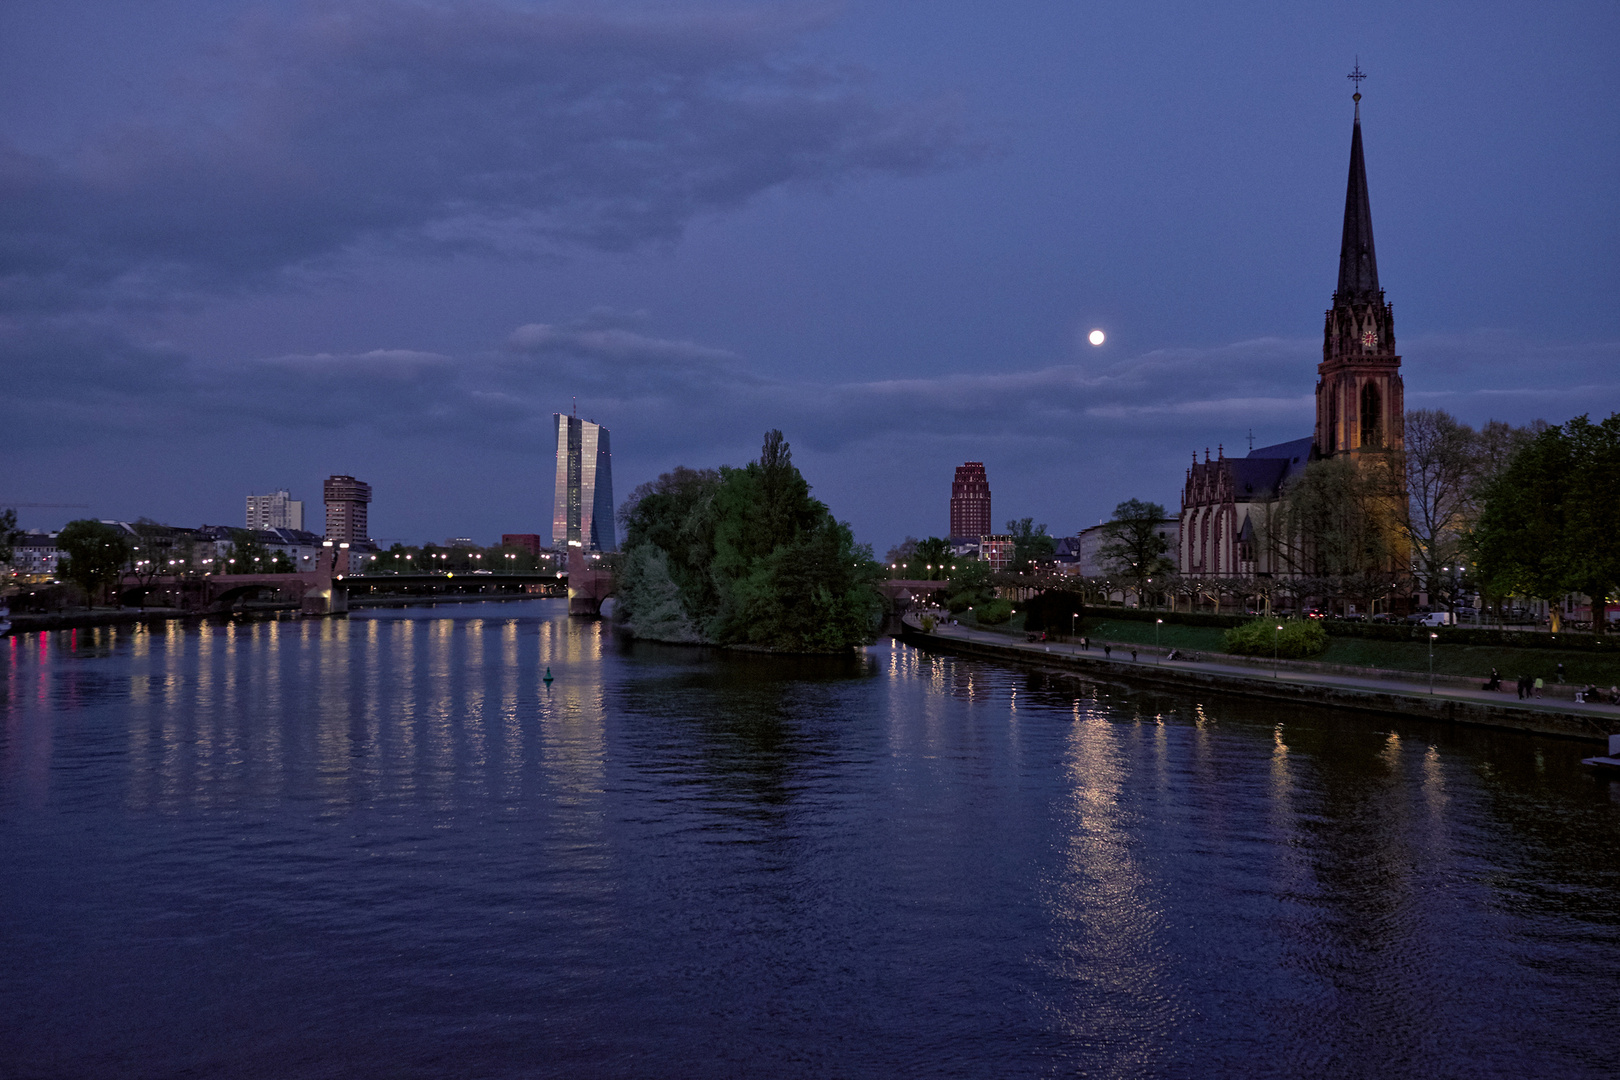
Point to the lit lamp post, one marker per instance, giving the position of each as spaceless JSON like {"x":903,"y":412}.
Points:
{"x":1432,"y":636}
{"x":1276,"y":635}
{"x":1156,"y":624}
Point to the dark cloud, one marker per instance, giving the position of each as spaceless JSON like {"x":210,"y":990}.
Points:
{"x":1064,"y":442}
{"x":444,"y":125}
{"x":685,"y":399}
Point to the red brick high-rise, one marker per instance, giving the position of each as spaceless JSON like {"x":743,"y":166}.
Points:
{"x":970,"y":501}
{"x":346,"y":500}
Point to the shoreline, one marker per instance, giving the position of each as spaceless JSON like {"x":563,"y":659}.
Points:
{"x":1376,"y":692}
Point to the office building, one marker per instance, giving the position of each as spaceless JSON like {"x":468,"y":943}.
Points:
{"x":529,"y":542}
{"x":582,"y":512}
{"x":346,"y":500}
{"x":278,"y":510}
{"x":970,"y":501}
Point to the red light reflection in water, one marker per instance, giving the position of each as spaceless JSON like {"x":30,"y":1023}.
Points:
{"x":26,"y":766}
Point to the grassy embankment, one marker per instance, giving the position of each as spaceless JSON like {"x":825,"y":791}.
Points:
{"x":1471,"y":660}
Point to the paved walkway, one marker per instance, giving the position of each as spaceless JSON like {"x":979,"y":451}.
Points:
{"x":1382,"y":682}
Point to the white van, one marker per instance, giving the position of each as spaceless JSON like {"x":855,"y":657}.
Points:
{"x":1436,"y":618}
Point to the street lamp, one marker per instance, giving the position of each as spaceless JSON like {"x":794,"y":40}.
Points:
{"x":1275,"y":637}
{"x":1156,"y":624}
{"x":1432,"y":636}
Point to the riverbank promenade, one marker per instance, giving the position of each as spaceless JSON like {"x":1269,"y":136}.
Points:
{"x":1399,"y":692}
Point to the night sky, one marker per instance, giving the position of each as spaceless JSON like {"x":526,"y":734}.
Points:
{"x":243,"y":246}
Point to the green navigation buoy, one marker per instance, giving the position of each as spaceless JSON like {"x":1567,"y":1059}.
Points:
{"x":548,"y":678}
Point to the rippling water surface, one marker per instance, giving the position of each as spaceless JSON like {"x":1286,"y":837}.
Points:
{"x":382,"y":847}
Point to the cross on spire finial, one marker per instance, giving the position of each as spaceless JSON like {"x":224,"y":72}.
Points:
{"x":1355,"y":76}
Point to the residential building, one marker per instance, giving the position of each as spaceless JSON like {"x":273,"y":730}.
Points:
{"x":35,"y":555}
{"x":277,"y":510}
{"x":302,"y":548}
{"x":997,"y":550}
{"x":970,"y":502}
{"x":346,"y":501}
{"x":582,"y":510}
{"x":1083,"y":551}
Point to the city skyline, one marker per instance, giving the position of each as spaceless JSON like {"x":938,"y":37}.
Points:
{"x":898,"y":271}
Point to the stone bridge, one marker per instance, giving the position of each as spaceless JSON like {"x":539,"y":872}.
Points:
{"x":326,"y":590}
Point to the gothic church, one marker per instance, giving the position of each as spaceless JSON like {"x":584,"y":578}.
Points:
{"x":1359,"y":409}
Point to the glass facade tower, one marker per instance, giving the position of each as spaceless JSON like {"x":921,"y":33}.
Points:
{"x":582,"y":512}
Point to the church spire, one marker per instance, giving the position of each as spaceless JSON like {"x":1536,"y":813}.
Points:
{"x":1358,"y":266}
{"x":1359,"y":396}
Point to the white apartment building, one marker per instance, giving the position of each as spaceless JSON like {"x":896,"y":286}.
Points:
{"x":278,"y":510}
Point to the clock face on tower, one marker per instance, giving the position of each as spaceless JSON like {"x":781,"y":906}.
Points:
{"x":1369,"y":338}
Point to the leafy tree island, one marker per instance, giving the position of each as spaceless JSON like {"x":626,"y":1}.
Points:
{"x":744,"y":559}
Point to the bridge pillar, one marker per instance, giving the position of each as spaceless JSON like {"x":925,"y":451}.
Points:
{"x":324,"y":594}
{"x":587,"y":588}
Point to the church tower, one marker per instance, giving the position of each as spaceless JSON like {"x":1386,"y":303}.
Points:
{"x":1359,"y":397}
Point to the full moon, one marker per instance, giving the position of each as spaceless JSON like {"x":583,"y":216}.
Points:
{"x":1097,"y":337}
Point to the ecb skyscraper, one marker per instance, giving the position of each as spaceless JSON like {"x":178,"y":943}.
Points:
{"x":583,"y":512}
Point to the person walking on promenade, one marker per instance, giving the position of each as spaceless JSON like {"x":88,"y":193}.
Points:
{"x":1108,"y":651}
{"x":1560,"y":673}
{"x":1538,"y":686}
{"x":1520,"y":686}
{"x":1133,"y":656}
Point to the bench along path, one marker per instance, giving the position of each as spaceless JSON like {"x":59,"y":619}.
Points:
{"x":1453,"y":699}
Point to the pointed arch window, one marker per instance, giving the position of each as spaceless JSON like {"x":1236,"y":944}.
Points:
{"x":1372,"y":433}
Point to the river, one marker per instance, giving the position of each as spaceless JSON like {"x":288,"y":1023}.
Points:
{"x":383,"y":846}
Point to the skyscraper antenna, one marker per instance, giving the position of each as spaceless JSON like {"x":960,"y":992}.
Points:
{"x":576,"y":405}
{"x":1251,"y":440}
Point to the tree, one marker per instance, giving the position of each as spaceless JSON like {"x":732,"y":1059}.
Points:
{"x":246,"y":555}
{"x":9,"y":535}
{"x":1135,"y":547}
{"x":1347,"y":514}
{"x":1442,"y":460}
{"x":94,"y":555}
{"x":930,"y":560}
{"x":1548,"y":526}
{"x":900,"y":555}
{"x":1055,"y":610}
{"x":969,"y":585}
{"x":1031,"y":545}
{"x":1592,"y":543}
{"x":745,"y":558}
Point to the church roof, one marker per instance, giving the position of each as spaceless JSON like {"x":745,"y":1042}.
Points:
{"x":1358,"y":266}
{"x":1267,"y":468}
{"x":1256,"y":478}
{"x":1297,"y":449}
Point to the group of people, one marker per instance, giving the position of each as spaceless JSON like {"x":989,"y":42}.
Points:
{"x":1532,"y":686}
